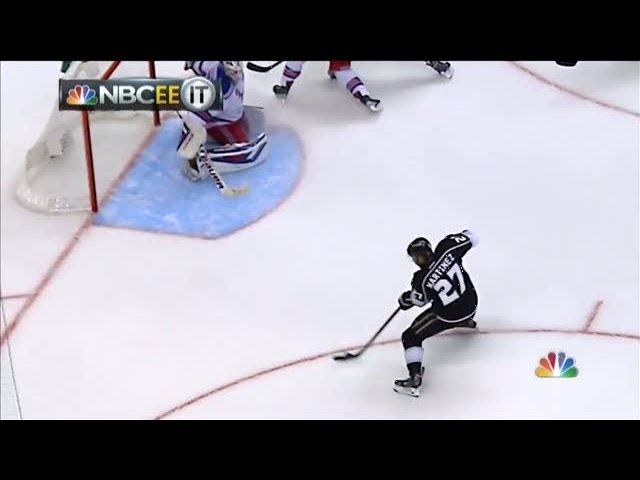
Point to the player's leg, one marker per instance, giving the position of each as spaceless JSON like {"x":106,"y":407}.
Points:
{"x":348,"y":78}
{"x":191,"y":164}
{"x":426,"y":325}
{"x":229,"y":133}
{"x":291,"y":72}
{"x":336,"y":65}
{"x":413,"y":353}
{"x":220,"y":132}
{"x":226,"y":133}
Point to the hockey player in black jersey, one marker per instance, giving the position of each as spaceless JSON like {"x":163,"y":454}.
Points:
{"x":442,"y":282}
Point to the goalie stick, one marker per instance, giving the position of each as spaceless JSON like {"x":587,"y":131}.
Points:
{"x":349,"y":355}
{"x":259,"y":68}
{"x":196,"y":138}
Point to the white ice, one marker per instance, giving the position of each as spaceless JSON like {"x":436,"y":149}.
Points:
{"x":133,"y":324}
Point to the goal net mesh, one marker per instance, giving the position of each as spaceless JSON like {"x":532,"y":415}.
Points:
{"x":60,"y":174}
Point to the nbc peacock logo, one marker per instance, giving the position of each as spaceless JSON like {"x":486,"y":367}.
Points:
{"x":557,"y":365}
{"x":81,"y":95}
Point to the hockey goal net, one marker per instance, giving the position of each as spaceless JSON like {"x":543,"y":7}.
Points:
{"x":60,"y":174}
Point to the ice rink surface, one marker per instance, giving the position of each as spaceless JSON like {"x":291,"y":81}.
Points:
{"x":541,"y":161}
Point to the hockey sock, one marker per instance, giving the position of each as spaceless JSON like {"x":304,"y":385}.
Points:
{"x":413,"y":357}
{"x":291,"y":71}
{"x":351,"y":82}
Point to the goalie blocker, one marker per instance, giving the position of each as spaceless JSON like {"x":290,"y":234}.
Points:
{"x":223,"y":158}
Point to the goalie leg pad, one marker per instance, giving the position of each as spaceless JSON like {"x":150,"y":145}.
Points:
{"x":193,"y":137}
{"x":241,"y":155}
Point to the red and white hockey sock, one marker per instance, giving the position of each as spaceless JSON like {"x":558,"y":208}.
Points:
{"x":291,"y":71}
{"x":348,"y":78}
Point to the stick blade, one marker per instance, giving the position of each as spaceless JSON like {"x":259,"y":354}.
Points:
{"x":344,"y":356}
{"x":259,"y":68}
{"x":234,"y":192}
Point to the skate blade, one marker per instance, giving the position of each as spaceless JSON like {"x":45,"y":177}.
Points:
{"x":448,"y":74}
{"x":281,"y":98}
{"x":410,"y":391}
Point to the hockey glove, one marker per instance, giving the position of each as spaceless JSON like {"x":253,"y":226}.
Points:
{"x":405,"y":301}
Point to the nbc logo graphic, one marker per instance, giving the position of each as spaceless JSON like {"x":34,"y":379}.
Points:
{"x":557,"y":366}
{"x":82,"y":95}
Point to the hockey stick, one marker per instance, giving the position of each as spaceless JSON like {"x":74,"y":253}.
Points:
{"x":349,"y":356}
{"x":259,"y":68}
{"x":215,"y":176}
{"x":217,"y":179}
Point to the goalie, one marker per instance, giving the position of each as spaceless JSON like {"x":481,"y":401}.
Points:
{"x":235,"y":137}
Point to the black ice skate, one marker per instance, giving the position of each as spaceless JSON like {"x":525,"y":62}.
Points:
{"x":567,"y":63}
{"x":410,"y":386}
{"x":332,"y":75}
{"x":443,"y":68}
{"x":282,"y":91}
{"x":372,"y":104}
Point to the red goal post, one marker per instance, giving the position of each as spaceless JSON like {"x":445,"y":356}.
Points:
{"x":56,"y":155}
{"x":86,"y":132}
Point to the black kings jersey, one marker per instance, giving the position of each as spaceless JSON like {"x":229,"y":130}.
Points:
{"x":445,"y":283}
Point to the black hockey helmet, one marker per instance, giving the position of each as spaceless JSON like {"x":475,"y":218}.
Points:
{"x":420,"y":247}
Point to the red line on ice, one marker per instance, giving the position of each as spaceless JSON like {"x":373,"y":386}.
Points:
{"x":62,"y":256}
{"x":574,"y":93}
{"x":320,"y":356}
{"x":45,"y":280}
{"x":593,"y":315}
{"x":88,"y":222}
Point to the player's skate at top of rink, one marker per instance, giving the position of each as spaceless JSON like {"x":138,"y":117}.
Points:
{"x":338,"y":70}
